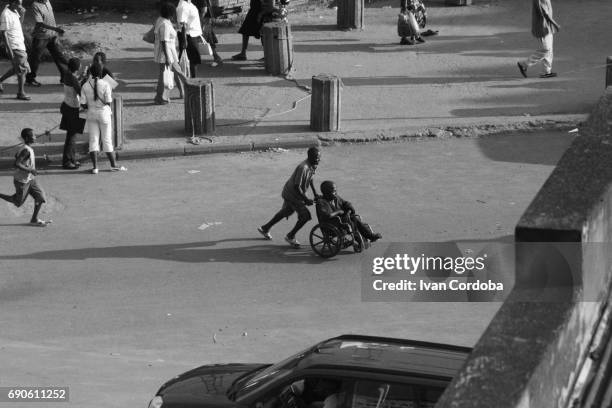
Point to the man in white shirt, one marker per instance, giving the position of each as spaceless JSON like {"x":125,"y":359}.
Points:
{"x":188,"y":18}
{"x":12,"y":33}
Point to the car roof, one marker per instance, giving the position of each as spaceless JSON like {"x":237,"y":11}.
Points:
{"x":386,"y":355}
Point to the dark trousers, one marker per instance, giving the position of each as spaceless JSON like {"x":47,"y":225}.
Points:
{"x":69,"y":156}
{"x":38,"y":47}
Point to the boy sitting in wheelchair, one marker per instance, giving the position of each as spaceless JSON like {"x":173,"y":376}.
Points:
{"x":332,"y":209}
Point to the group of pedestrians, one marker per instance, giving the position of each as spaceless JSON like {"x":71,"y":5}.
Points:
{"x":44,"y":37}
{"x":189,"y":34}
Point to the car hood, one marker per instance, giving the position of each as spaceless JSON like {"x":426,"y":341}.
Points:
{"x":204,"y":386}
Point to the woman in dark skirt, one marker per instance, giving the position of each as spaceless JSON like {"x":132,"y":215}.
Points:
{"x":71,"y":122}
{"x":251,"y":27}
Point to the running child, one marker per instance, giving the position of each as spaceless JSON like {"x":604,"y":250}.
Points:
{"x":25,"y":179}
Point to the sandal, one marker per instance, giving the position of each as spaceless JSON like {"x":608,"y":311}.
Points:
{"x":40,"y":223}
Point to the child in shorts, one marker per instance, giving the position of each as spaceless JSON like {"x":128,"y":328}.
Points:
{"x":25,"y":179}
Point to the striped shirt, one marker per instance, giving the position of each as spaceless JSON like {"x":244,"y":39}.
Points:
{"x":43,"y":13}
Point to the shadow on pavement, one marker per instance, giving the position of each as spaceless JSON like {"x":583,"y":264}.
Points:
{"x":191,"y":252}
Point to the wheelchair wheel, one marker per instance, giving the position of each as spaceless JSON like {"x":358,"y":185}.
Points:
{"x":325,"y":240}
{"x":359,"y":243}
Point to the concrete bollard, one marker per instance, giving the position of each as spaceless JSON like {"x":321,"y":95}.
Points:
{"x":278,"y":47}
{"x":199,"y":107}
{"x":325,"y":103}
{"x":350,"y":14}
{"x":608,"y":72}
{"x":117,"y":118}
{"x":457,"y":2}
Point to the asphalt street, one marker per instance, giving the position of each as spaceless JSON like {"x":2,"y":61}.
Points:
{"x":145,"y":274}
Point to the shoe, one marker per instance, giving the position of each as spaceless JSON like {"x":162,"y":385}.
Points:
{"x":120,"y":168}
{"x":549,"y":75}
{"x":406,"y":41}
{"x":77,"y":163}
{"x":40,"y":223}
{"x":420,"y":39}
{"x":161,"y":102}
{"x":94,"y":171}
{"x":375,"y":237}
{"x":33,"y":83}
{"x":293,"y":242}
{"x":23,"y":97}
{"x":219,"y":60}
{"x":266,"y":234}
{"x":239,"y":57}
{"x":1,"y":88}
{"x":522,"y":68}
{"x":70,"y":166}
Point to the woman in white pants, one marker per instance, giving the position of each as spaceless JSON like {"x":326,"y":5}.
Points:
{"x":97,"y":94}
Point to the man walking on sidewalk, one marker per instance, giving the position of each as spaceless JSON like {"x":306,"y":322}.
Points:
{"x":45,"y":36}
{"x":12,"y":33}
{"x":543,"y":26}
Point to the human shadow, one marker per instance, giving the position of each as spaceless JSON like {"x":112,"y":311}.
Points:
{"x":314,"y":27}
{"x":190,"y":252}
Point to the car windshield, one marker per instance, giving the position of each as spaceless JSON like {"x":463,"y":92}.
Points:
{"x":250,"y":383}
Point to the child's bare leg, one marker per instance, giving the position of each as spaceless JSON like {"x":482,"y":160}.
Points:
{"x":37,"y":207}
{"x":9,"y":198}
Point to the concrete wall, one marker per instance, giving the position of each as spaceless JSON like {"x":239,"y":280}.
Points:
{"x":541,"y":348}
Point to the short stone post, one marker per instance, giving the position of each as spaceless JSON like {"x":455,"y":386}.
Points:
{"x":325,"y":103}
{"x":350,"y":14}
{"x":199,"y":107}
{"x":117,"y":118}
{"x":608,"y":72}
{"x":278,"y":47}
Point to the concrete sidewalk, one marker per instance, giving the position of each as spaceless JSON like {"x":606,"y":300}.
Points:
{"x":461,"y":82}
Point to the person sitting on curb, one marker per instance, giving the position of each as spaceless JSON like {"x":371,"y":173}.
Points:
{"x":25,"y":179}
{"x":330,"y":206}
{"x":295,"y":199}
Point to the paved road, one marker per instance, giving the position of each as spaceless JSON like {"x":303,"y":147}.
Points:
{"x":140,"y":270}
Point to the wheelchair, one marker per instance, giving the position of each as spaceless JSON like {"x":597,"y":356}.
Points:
{"x":327,"y":239}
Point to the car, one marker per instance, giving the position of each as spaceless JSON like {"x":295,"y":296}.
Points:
{"x":349,"y":371}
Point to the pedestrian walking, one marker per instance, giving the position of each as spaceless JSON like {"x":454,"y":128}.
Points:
{"x":165,"y":54}
{"x":97,"y":96}
{"x":12,"y":33}
{"x":25,"y":179}
{"x":208,"y":22}
{"x":543,"y":27}
{"x":251,"y":27}
{"x":295,"y":199}
{"x":44,"y":37}
{"x":188,"y":18}
{"x":71,"y":122}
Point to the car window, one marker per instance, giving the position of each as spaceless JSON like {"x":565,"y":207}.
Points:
{"x":377,"y":394}
{"x":309,"y":392}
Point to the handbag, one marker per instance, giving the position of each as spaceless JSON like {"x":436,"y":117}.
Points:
{"x":202,"y":46}
{"x":168,"y":78}
{"x":184,"y":64}
{"x":149,"y":36}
